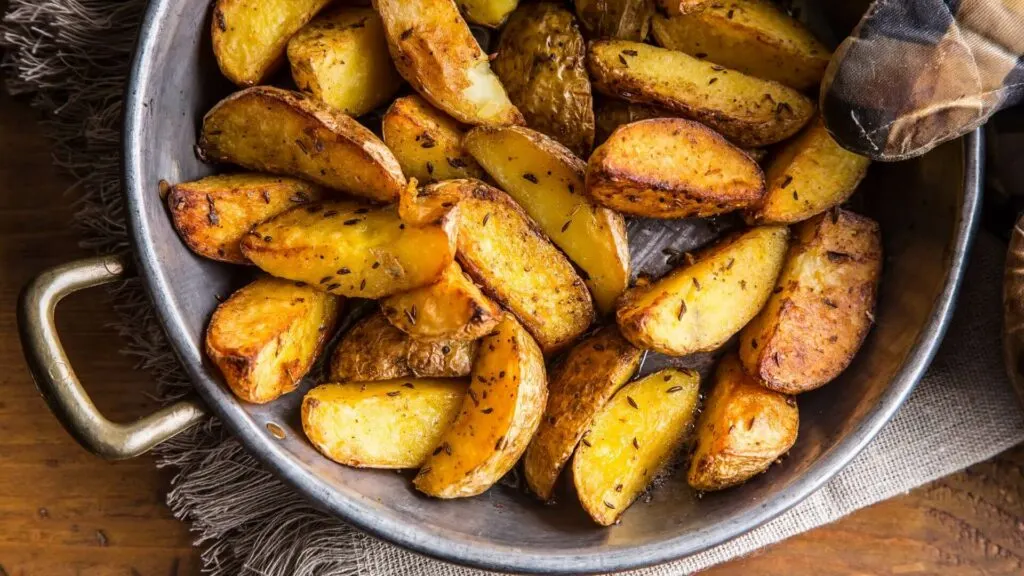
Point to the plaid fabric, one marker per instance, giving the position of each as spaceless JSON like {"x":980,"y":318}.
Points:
{"x":916,"y":73}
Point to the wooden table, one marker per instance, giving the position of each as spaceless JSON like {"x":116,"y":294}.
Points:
{"x":64,"y":512}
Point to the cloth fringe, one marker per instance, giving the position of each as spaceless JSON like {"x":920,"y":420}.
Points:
{"x":71,"y":59}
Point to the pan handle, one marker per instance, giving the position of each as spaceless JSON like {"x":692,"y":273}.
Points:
{"x":57,"y":382}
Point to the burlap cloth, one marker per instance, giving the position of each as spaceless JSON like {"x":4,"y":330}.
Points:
{"x":71,"y":56}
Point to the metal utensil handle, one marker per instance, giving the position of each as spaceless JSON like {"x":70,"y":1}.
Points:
{"x":57,"y":382}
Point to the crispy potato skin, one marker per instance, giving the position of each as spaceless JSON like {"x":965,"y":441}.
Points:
{"x":490,"y":13}
{"x":266,"y":336}
{"x":631,"y":440}
{"x":341,"y":58}
{"x":621,"y":19}
{"x":350,"y":249}
{"x":610,"y":113}
{"x":672,"y":168}
{"x":453,"y":308}
{"x":586,"y":380}
{"x":272,"y":130}
{"x":697,"y":307}
{"x":748,"y":111}
{"x":249,"y":36}
{"x":540,"y":62}
{"x":213,"y":214}
{"x":504,"y":251}
{"x":389,"y":424}
{"x":506,"y":398}
{"x":811,"y":174}
{"x":743,"y":428}
{"x":436,"y":53}
{"x":822,"y":306}
{"x":755,"y":37}
{"x":548,"y":182}
{"x":427,"y":143}
{"x":375,"y":350}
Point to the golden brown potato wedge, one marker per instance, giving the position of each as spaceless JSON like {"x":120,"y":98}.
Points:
{"x":748,"y":111}
{"x":249,"y":36}
{"x":540,"y":62}
{"x":434,"y":51}
{"x":585,"y":381}
{"x":341,"y":58}
{"x":375,"y":350}
{"x":266,"y":336}
{"x":811,"y":174}
{"x":631,"y":440}
{"x":349,"y":249}
{"x":622,"y":19}
{"x":822,"y":306}
{"x":548,"y":182}
{"x":452,"y":308}
{"x":755,"y":37}
{"x":743,"y":428}
{"x":672,"y":168}
{"x":389,"y":424}
{"x":697,"y":307}
{"x":499,"y":415}
{"x":490,"y":13}
{"x":426,"y":142}
{"x":282,"y":132}
{"x":504,"y":251}
{"x":214,"y":213}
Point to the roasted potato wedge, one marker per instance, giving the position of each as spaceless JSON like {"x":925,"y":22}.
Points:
{"x":282,"y":132}
{"x":375,"y":350}
{"x":490,"y":13}
{"x":341,"y":58}
{"x":541,"y":63}
{"x":451,"y":308}
{"x":349,"y":249}
{"x":434,"y":51}
{"x":266,"y":336}
{"x":755,"y":37}
{"x":389,"y":424}
{"x":621,"y":19}
{"x":548,"y":182}
{"x":672,"y":168}
{"x":585,"y":381}
{"x":214,"y":213}
{"x":822,"y":306}
{"x":249,"y":36}
{"x":426,"y":142}
{"x":697,"y":307}
{"x":505,"y":252}
{"x":743,"y":428}
{"x":499,"y":415}
{"x":811,"y":174}
{"x":631,"y":440}
{"x":748,"y":111}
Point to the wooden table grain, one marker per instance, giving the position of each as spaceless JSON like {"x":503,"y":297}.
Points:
{"x":64,"y":512}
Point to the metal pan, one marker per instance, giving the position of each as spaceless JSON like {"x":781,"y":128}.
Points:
{"x":928,"y":209}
